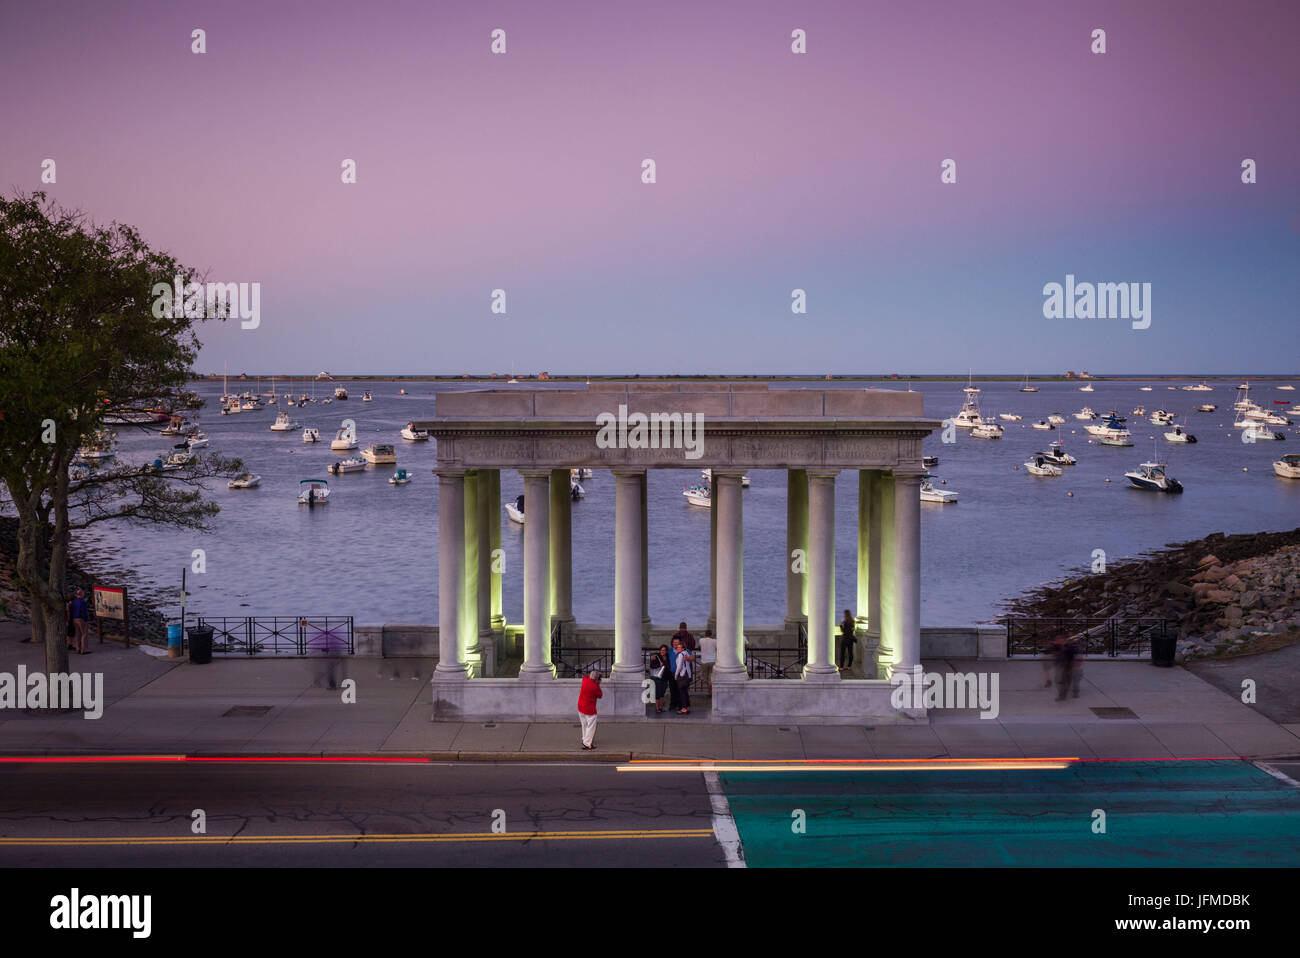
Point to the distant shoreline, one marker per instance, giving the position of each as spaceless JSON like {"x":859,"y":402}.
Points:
{"x":701,"y":377}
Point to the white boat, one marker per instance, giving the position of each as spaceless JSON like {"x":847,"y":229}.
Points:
{"x":1144,"y":389}
{"x":1180,"y":434}
{"x":1086,"y":389}
{"x":1116,"y":439}
{"x":1288,"y":467}
{"x":515,"y":510}
{"x":1026,"y":388}
{"x":353,"y":464}
{"x":250,"y":405}
{"x":1112,"y":424}
{"x":283,"y":423}
{"x":1151,"y":476}
{"x":1255,"y":431}
{"x":1085,"y":414}
{"x":245,"y":481}
{"x":930,"y":494}
{"x":580,"y":473}
{"x":379,"y":454}
{"x":969,"y":416}
{"x":313,"y":492}
{"x":1043,"y":424}
{"x":698,"y":495}
{"x":365,"y":397}
{"x":1289,"y":389}
{"x":1244,"y":387}
{"x":197,"y":441}
{"x":178,"y":426}
{"x":929,"y":462}
{"x":231,"y":408}
{"x":1206,"y":407}
{"x":340,"y":392}
{"x":409,"y":432}
{"x":99,"y":447}
{"x":327,"y":400}
{"x":1056,"y":419}
{"x":400,"y":478}
{"x":707,"y":476}
{"x":344,"y":441}
{"x":1161,"y":417}
{"x":1009,"y":417}
{"x":575,"y":489}
{"x":401,"y":392}
{"x":177,"y":460}
{"x":1139,"y":410}
{"x":1243,"y":401}
{"x":1039,"y":466}
{"x":311,"y":435}
{"x":986,"y":430}
{"x":1056,"y":455}
{"x":1202,"y":388}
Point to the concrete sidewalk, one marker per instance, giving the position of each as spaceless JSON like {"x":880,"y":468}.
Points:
{"x":259,"y":706}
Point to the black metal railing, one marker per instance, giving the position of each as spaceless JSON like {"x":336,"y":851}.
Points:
{"x":280,"y":635}
{"x":1110,"y":637}
{"x":762,"y":663}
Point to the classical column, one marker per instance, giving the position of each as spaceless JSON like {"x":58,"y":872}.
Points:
{"x":537,"y":630}
{"x":875,"y":503}
{"x":796,"y":538}
{"x":485,"y":574}
{"x":469,"y":596}
{"x":560,"y":604}
{"x":907,"y":570}
{"x":887,"y":604}
{"x":645,"y":560}
{"x":713,"y":552}
{"x":727,"y":510}
{"x":628,"y":663}
{"x":821,"y":576}
{"x":451,"y":571}
{"x":494,"y":533}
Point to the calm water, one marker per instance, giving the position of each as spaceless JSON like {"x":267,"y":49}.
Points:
{"x":372,"y":552}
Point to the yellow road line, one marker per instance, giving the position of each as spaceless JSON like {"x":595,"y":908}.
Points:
{"x":349,"y":839}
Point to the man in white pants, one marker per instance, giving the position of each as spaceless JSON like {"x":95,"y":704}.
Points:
{"x":587,"y":695}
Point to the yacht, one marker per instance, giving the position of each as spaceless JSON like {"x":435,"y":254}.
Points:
{"x":230,"y":407}
{"x":1085,"y":414}
{"x":1152,"y":477}
{"x":1009,"y":417}
{"x":698,"y":494}
{"x":1056,"y":455}
{"x":1180,"y":434}
{"x":1289,"y":389}
{"x":1043,"y":424}
{"x":1253,"y":431}
{"x":311,"y":435}
{"x":1243,"y":401}
{"x":707,"y":476}
{"x":400,"y":478}
{"x":1202,"y":388}
{"x":98,"y":447}
{"x":1056,"y":419}
{"x":313,"y":492}
{"x":250,"y":405}
{"x":1111,"y":424}
{"x":1026,"y":388}
{"x":412,"y":434}
{"x":244,"y":480}
{"x":986,"y":430}
{"x":1244,"y":387}
{"x":379,"y":454}
{"x":401,"y":392}
{"x":352,"y":464}
{"x":1039,"y":466}
{"x":515,"y":510}
{"x":1288,"y":467}
{"x":283,"y":423}
{"x":340,"y":392}
{"x":1206,"y":407}
{"x":1161,"y":417}
{"x":930,"y":494}
{"x":344,"y":441}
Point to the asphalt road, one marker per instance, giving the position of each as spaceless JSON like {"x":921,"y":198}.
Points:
{"x":352,"y":815}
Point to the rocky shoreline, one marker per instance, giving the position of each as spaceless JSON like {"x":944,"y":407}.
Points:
{"x":1223,"y":595}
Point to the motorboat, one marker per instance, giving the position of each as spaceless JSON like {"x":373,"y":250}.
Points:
{"x":352,"y":464}
{"x":1180,"y":434}
{"x":313,"y":492}
{"x":340,"y":392}
{"x":929,"y":462}
{"x":1116,"y":439}
{"x":409,"y":432}
{"x":1243,"y":401}
{"x":1256,"y":431}
{"x":230,"y":408}
{"x":576,"y":491}
{"x":344,"y":441}
{"x":1161,"y":417}
{"x":515,"y":510}
{"x":1288,"y":467}
{"x":99,"y":447}
{"x":1244,"y":387}
{"x":1056,"y":455}
{"x":178,"y":426}
{"x":581,"y":473}
{"x":930,"y":494}
{"x":1085,"y":414}
{"x":1112,"y":424}
{"x":1206,"y":407}
{"x":400,"y":478}
{"x":1056,"y":419}
{"x":1026,"y":388}
{"x":1039,"y":466}
{"x":250,"y":405}
{"x":365,"y":397}
{"x":1152,"y":477}
{"x":244,"y":481}
{"x":969,"y":416}
{"x":327,"y":400}
{"x":283,"y":423}
{"x":379,"y":454}
{"x":177,"y":460}
{"x":1043,"y":424}
{"x":986,"y":430}
{"x":401,"y":392}
{"x":197,"y":441}
{"x":1144,"y":389}
{"x":1086,"y":389}
{"x":1009,"y":417}
{"x":311,"y":435}
{"x":1202,"y":388}
{"x":1289,"y":389}
{"x":707,"y":476}
{"x":698,"y":494}
{"x":1139,"y":410}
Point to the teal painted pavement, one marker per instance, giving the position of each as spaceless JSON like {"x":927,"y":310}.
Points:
{"x":1194,"y":814}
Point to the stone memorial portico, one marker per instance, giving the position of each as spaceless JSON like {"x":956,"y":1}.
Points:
{"x":818,"y":436}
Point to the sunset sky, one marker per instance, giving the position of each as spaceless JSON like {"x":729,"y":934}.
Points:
{"x":775,"y":171}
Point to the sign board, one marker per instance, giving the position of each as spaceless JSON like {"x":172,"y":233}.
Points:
{"x":110,"y":603}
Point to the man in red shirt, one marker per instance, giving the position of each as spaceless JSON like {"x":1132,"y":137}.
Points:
{"x":587,"y":696}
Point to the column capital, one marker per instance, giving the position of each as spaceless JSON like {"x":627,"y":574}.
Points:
{"x":822,"y":473}
{"x":628,"y":472}
{"x":536,"y":473}
{"x":910,"y":477}
{"x":450,"y":472}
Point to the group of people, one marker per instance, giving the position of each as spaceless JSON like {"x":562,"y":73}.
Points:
{"x":77,"y":618}
{"x":673,"y":667}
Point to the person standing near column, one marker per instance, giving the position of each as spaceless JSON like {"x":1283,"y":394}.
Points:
{"x":587,"y":695}
{"x":848,"y":628}
{"x":682,"y":669}
{"x":708,"y":655}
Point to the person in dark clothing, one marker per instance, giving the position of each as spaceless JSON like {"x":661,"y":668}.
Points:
{"x":1069,"y":668}
{"x":80,"y":614}
{"x":674,"y":693}
{"x":659,"y":672}
{"x":688,"y":640}
{"x":848,"y":632}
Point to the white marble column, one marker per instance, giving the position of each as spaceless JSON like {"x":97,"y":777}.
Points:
{"x":821,"y":576}
{"x":886,"y":621}
{"x":494,"y":539}
{"x":907,"y":570}
{"x":469,"y":596}
{"x":451,"y":571}
{"x":875,"y":506}
{"x":728,"y":514}
{"x":485,"y":547}
{"x":628,"y":663}
{"x":560,"y":604}
{"x":796,"y":539}
{"x":713,"y":553}
{"x":537,"y":631}
{"x":645,"y":559}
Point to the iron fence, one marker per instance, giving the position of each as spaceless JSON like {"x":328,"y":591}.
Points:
{"x":1109,"y":637}
{"x":280,"y":635}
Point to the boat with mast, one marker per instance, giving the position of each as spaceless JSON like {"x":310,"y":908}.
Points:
{"x":1026,"y":388}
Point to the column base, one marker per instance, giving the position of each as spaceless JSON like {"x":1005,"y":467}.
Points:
{"x":821,"y":673}
{"x":450,"y":671}
{"x":535,"y":673}
{"x":731,"y":677}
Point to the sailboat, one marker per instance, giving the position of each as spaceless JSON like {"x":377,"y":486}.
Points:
{"x":1026,"y":388}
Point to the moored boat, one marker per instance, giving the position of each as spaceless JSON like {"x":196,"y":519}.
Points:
{"x":930,"y":494}
{"x":1085,"y":414}
{"x":410,"y":433}
{"x":987,"y":430}
{"x":244,"y":480}
{"x":515,"y":510}
{"x":313,"y":492}
{"x":352,"y":464}
{"x":1057,"y":456}
{"x":1152,"y":477}
{"x":379,"y":454}
{"x":1288,"y":467}
{"x":310,"y":435}
{"x":1180,"y":434}
{"x":400,"y":478}
{"x":698,"y":494}
{"x":345,"y":439}
{"x":1039,"y":466}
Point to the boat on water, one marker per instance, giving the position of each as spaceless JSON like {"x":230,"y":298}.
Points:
{"x":1043,"y":424}
{"x":1289,"y":389}
{"x":1252,"y":430}
{"x":1056,"y":455}
{"x":1087,"y":389}
{"x":986,"y":430}
{"x":515,"y":510}
{"x":379,"y":454}
{"x":326,"y":401}
{"x":1201,"y":388}
{"x":576,"y":491}
{"x":251,"y":405}
{"x":351,"y":464}
{"x":1056,"y":419}
{"x":365,"y":397}
{"x":177,"y":460}
{"x":1206,"y":407}
{"x":1085,"y":414}
{"x":1009,"y":417}
{"x":311,"y":435}
{"x":930,"y":494}
{"x":1244,"y":387}
{"x":340,"y":392}
{"x":410,"y":433}
{"x":1152,"y":477}
{"x":244,"y":480}
{"x":313,"y":492}
{"x":580,"y":473}
{"x":698,"y":494}
{"x":1180,"y":434}
{"x":1161,"y":417}
{"x":1025,"y":387}
{"x":344,"y":440}
{"x":401,"y":392}
{"x":400,"y":478}
{"x":929,"y":462}
{"x":178,"y":426}
{"x":197,"y":441}
{"x":707,"y":476}
{"x":283,"y":423}
{"x":1144,"y":389}
{"x":1039,"y":466}
{"x":1116,"y":439}
{"x":969,"y":415}
{"x":1288,"y":467}
{"x":1111,"y":424}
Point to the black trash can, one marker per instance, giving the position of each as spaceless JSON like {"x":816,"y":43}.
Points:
{"x":200,"y":644}
{"x":1162,"y":650}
